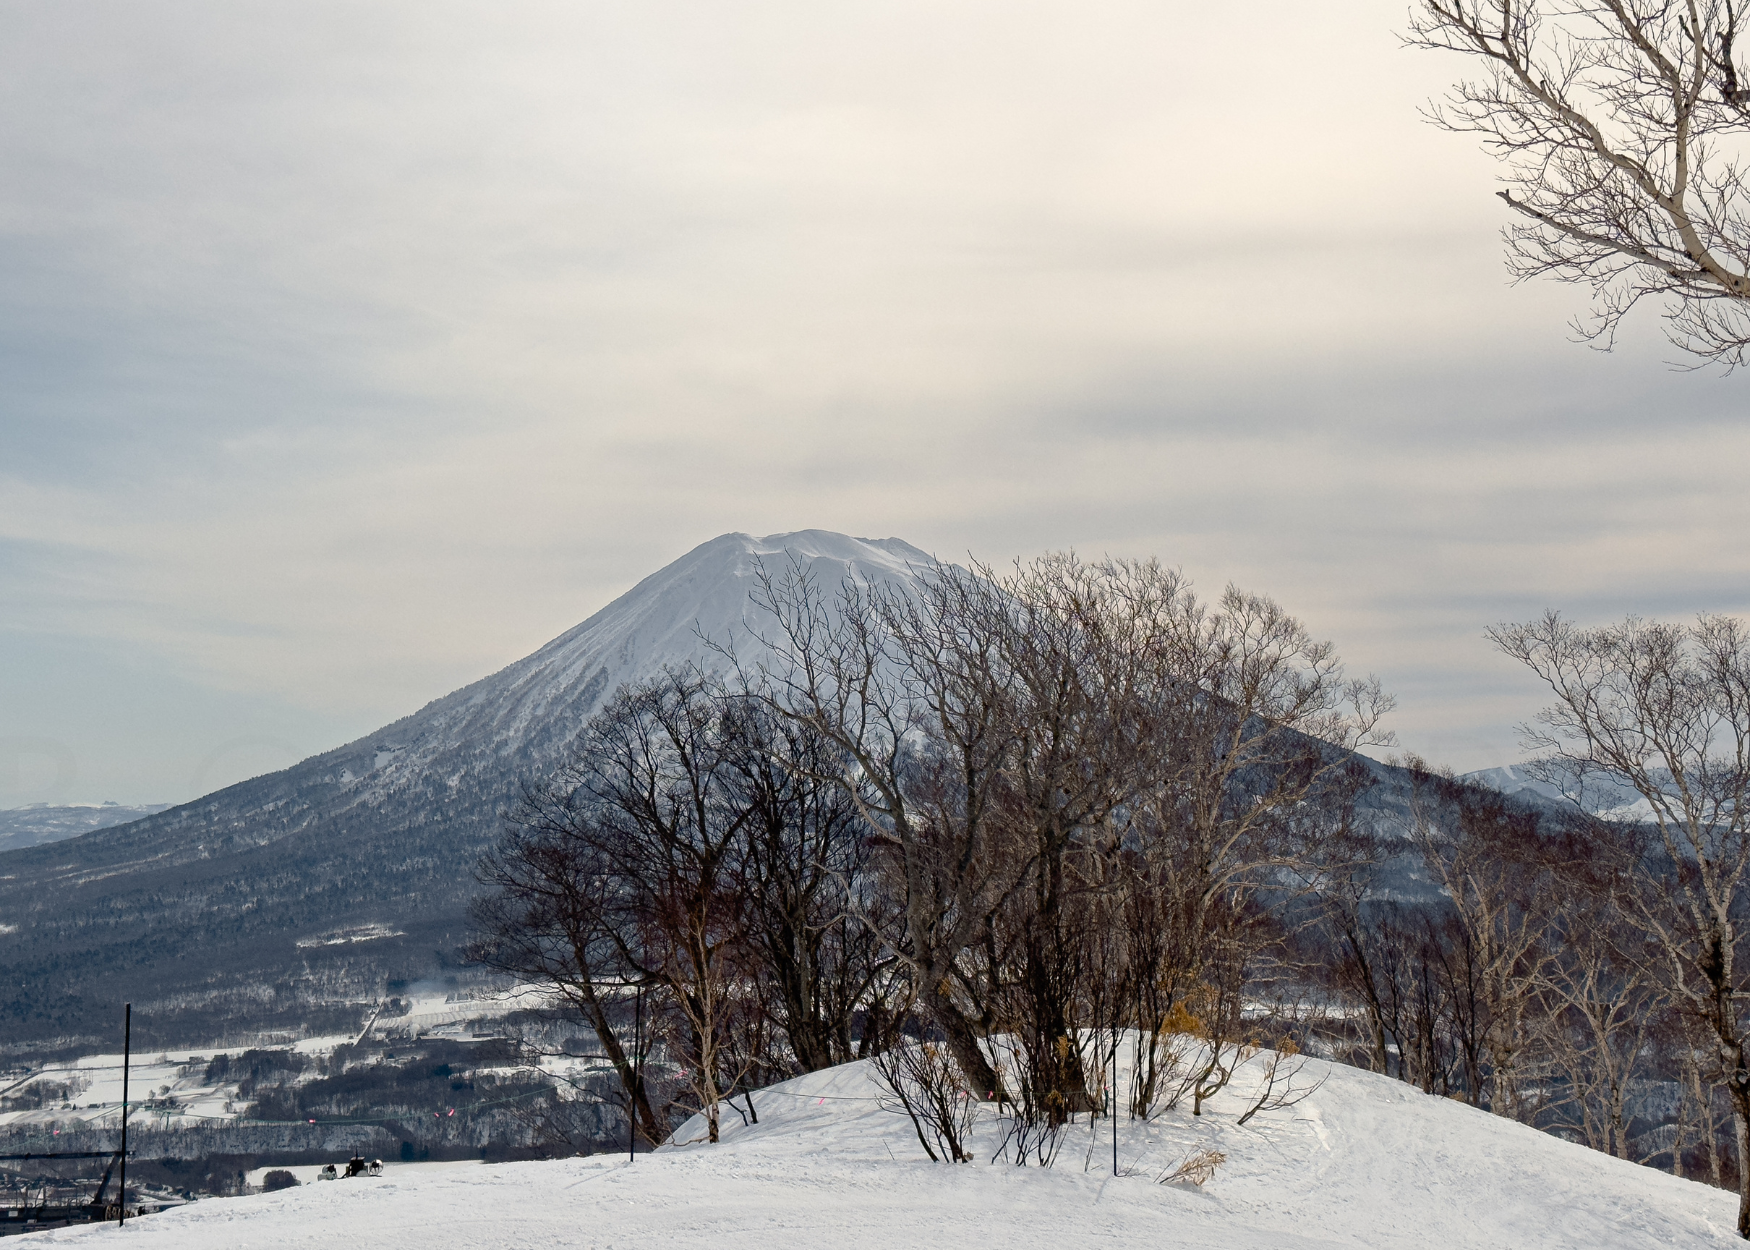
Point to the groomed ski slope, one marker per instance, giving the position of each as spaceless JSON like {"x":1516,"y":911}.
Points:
{"x":1363,"y":1162}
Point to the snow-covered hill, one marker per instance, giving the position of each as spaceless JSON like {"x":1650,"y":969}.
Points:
{"x":355,"y":866}
{"x":1363,"y":1162}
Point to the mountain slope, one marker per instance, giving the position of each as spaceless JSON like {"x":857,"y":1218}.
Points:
{"x":356,"y":864}
{"x":1363,"y":1162}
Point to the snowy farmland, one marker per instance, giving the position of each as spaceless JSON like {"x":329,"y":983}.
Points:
{"x":1363,"y":1161}
{"x":171,"y":1090}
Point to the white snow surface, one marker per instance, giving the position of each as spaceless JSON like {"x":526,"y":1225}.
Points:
{"x":1364,"y":1161}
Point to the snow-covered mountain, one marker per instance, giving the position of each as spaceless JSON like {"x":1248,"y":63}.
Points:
{"x":1363,"y":1161}
{"x":1614,"y":800}
{"x":534,"y":706}
{"x":286,"y":901}
{"x":192,"y":911}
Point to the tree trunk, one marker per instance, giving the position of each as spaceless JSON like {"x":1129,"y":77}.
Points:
{"x":637,"y":1103}
{"x":962,"y":1041}
{"x":1708,"y":1128}
{"x":1741,"y":1121}
{"x":1063,"y":1083}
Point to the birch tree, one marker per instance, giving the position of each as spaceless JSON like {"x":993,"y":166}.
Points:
{"x":1666,"y":709}
{"x":1621,"y":127}
{"x":1489,"y":856}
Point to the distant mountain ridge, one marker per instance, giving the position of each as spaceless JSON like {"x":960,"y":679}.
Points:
{"x":40,"y":823}
{"x":222,"y":908}
{"x":1613,"y":800}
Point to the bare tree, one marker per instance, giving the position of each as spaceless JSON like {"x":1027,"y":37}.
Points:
{"x":1076,"y":656}
{"x":1257,"y":726}
{"x":622,"y":868}
{"x":1666,"y":709}
{"x":1276,"y":1089}
{"x":1601,"y":1009}
{"x":1364,"y":945}
{"x":1489,"y":855}
{"x":1618,"y":122}
{"x":1416,"y":975}
{"x":1697,"y":1097}
{"x":657,"y":765}
{"x":921,"y":1079}
{"x":908,"y":688}
{"x":806,"y":877}
{"x":1263,"y":721}
{"x":546,"y":921}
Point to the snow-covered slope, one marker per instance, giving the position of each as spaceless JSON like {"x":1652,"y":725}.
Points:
{"x":1363,"y":1162}
{"x":540,"y":700}
{"x":374,"y":842}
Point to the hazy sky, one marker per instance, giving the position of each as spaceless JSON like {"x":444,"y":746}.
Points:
{"x":349,"y":352}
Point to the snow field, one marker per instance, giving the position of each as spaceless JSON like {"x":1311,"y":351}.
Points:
{"x":1363,"y":1162}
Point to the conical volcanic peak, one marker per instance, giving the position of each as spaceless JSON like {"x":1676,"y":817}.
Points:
{"x":664,"y":619}
{"x":202,"y":905}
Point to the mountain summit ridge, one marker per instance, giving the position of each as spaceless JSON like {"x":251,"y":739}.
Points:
{"x":651,"y":623}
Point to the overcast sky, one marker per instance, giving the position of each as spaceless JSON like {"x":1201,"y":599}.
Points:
{"x":349,"y":352}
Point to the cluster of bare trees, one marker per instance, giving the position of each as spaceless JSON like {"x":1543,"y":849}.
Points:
{"x":1081,"y":778}
{"x":1582,"y":964}
{"x":687,"y":881}
{"x":1033,"y":817}
{"x":1526,"y":993}
{"x":1030,"y":807}
{"x":1665,"y":709}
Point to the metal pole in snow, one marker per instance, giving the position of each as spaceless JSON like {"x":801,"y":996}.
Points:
{"x":1115,"y":1102}
{"x":637,"y":1076}
{"x":127,"y":1050}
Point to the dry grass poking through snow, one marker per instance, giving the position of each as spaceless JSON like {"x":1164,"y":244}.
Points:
{"x":1196,"y":1169}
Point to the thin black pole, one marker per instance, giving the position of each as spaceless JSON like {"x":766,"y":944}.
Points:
{"x":127,"y":1052}
{"x":1115,"y":1102}
{"x":637,"y":1076}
